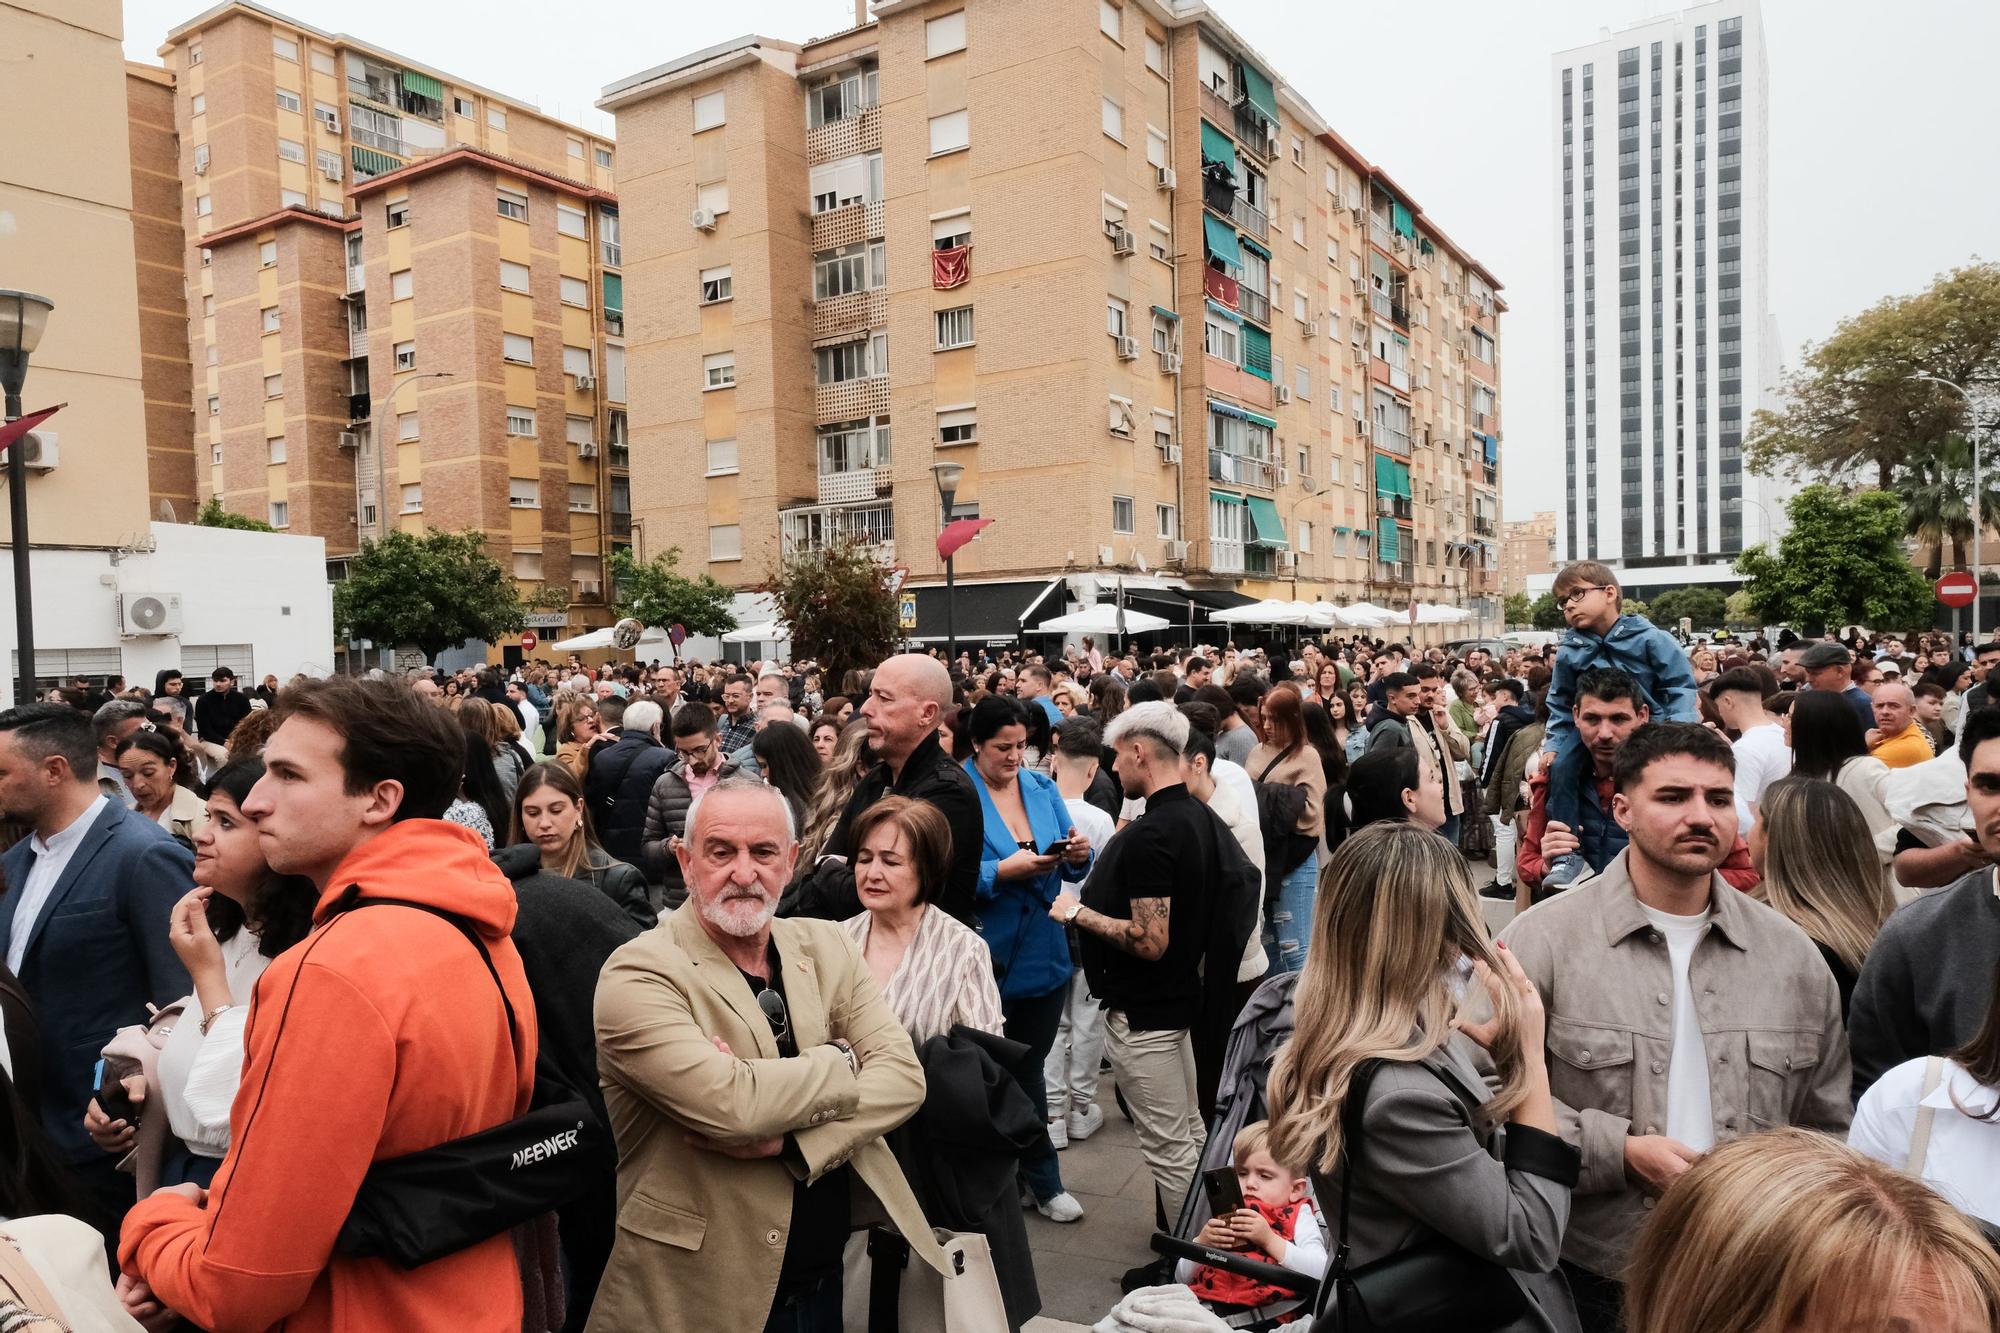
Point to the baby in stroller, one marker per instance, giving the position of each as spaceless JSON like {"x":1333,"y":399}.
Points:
{"x":1274,"y":1223}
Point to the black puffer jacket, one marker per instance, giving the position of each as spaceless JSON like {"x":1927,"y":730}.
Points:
{"x":619,"y":882}
{"x":618,"y":788}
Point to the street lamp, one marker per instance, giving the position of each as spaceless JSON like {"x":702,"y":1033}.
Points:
{"x":1978,"y":509}
{"x":23,"y":317}
{"x":948,"y":476}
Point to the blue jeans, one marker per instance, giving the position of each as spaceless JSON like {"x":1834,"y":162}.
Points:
{"x":1289,"y":920}
{"x":1449,"y":829}
{"x":1032,"y":1020}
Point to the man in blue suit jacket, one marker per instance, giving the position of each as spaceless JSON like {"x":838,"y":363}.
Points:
{"x":83,"y":923}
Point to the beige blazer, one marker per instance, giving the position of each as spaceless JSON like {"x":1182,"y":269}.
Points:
{"x":701,"y":1235}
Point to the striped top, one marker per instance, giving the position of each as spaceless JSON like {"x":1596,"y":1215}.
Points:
{"x":945,"y":977}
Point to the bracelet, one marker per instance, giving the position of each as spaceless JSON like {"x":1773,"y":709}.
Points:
{"x":212,"y":1015}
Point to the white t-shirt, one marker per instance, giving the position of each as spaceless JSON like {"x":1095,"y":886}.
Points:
{"x":1690,"y":1115}
{"x":1091,"y":822}
{"x":1963,"y":1160}
{"x":1762,"y":757}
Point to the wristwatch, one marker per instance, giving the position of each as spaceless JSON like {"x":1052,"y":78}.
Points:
{"x":853,"y":1060}
{"x":1069,"y":917}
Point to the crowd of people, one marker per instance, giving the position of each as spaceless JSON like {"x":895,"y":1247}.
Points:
{"x":726,"y":989}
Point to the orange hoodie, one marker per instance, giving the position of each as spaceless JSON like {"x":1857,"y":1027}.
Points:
{"x":378,"y":1035}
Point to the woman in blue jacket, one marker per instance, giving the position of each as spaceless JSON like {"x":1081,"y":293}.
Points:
{"x":1030,"y":848}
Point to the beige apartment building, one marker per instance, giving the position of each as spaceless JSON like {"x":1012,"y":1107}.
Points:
{"x":1528,"y":548}
{"x":160,"y":250}
{"x":404,"y":304}
{"x":1177,"y":333}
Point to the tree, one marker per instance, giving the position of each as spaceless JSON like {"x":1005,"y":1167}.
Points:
{"x":434,"y":592}
{"x":1936,"y":493}
{"x":1852,"y":404}
{"x":1517,"y":610}
{"x":213,"y":515}
{"x":1738,"y":610}
{"x":1706,"y":607}
{"x":655,"y":594}
{"x":837,"y":604}
{"x":1545,"y":613}
{"x":1632,"y":606}
{"x":1841,"y":563}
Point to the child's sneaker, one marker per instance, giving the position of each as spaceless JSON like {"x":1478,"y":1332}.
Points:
{"x":1566,"y":871}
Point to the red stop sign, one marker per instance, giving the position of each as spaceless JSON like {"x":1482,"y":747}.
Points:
{"x":528,"y":641}
{"x":1957,"y":589}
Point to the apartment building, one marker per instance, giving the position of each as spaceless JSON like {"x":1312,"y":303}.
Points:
{"x":404,"y":304}
{"x":1665,"y":122}
{"x":1527,"y":551}
{"x":160,"y":251}
{"x":1171,"y":330}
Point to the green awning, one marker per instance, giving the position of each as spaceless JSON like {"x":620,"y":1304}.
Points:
{"x":1266,"y":527}
{"x":1388,"y":544}
{"x":1255,"y":248}
{"x":1165,"y":313}
{"x":1424,"y":246}
{"x":1256,"y":351}
{"x":1224,"y":497}
{"x":614,"y":291}
{"x":1403,"y":480}
{"x":1221,"y":238}
{"x":1401,"y":219}
{"x":1385,"y":475}
{"x":423,"y":85}
{"x":371,"y":163}
{"x":1224,"y":313}
{"x":1258,"y":88}
{"x":1268,"y":423}
{"x":1217,"y":146}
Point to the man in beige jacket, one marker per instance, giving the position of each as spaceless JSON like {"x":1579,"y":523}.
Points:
{"x":750,"y":1068}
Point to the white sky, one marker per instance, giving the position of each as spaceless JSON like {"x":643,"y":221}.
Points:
{"x":1885,"y":161}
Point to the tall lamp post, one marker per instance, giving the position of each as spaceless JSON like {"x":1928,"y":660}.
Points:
{"x":1978,"y":509}
{"x":23,"y":317}
{"x":948,"y":476}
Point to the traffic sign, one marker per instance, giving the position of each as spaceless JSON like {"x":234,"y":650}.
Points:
{"x":906,"y":612}
{"x":677,"y":634}
{"x":1957,"y":589}
{"x":528,"y":641}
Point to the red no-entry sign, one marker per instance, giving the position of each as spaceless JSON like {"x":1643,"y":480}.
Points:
{"x":528,"y":641}
{"x":1957,"y":589}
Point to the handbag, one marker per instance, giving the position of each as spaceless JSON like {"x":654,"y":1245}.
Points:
{"x":1280,"y":807}
{"x":439,"y":1200}
{"x":884,"y":1292}
{"x":1435,"y":1287}
{"x":52,"y":1279}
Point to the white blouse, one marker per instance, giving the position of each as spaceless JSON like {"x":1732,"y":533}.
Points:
{"x":1963,"y":1160}
{"x":199,"y":1073}
{"x":944,"y":978}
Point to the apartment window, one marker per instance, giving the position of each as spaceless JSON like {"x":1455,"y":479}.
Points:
{"x":580,"y":430}
{"x":292,"y":198}
{"x":291,"y":150}
{"x":718,"y":370}
{"x":208,"y":307}
{"x":576,"y":292}
{"x":1220,"y":338}
{"x":284,"y":48}
{"x":215,"y":410}
{"x":708,"y":112}
{"x":199,"y":106}
{"x":604,"y":157}
{"x":288,"y":100}
{"x":839,"y":96}
{"x":1298,"y":151}
{"x":402,"y":285}
{"x":462,"y":106}
{"x":948,"y":133}
{"x":406,"y":425}
{"x":215,"y":455}
{"x":571,"y":221}
{"x":513,"y":276}
{"x":267,"y":254}
{"x":274,"y":449}
{"x":521,"y":422}
{"x":518,"y":348}
{"x":954,"y":327}
{"x":851,"y":180}
{"x":513,"y":204}
{"x":958,"y":426}
{"x":1121,"y":513}
{"x":576,"y":148}
{"x":1302,"y":383}
{"x":721,"y":457}
{"x":368,"y":514}
{"x":200,"y":159}
{"x":413,"y":497}
{"x":1482,"y":346}
{"x":406,"y":356}
{"x":329,"y":164}
{"x":281,"y":514}
{"x":1109,"y":18}
{"x":523,"y":492}
{"x":397,"y":212}
{"x":725,"y":542}
{"x":576,"y":360}
{"x":528,"y":566}
{"x":1114,"y":317}
{"x":194,"y":55}
{"x":214,"y":354}
{"x":203,"y":205}
{"x":1156,"y":55}
{"x":582,"y":498}
{"x":713,"y":196}
{"x":496,"y":117}
{"x":1159,"y":242}
{"x":274,"y":385}
{"x":1114,"y":120}
{"x":1300,"y":310}
{"x":715,"y":285}
{"x":1166,"y":521}
{"x":944,"y":34}
{"x":863,"y":358}
{"x":1298,"y":229}
{"x":269,"y":316}
{"x":952,"y":233}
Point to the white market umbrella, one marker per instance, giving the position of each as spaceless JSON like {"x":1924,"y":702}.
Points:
{"x":765,"y":632}
{"x":1102,"y":618}
{"x":1428,"y":614}
{"x":1376,"y":616}
{"x":1267,"y":612}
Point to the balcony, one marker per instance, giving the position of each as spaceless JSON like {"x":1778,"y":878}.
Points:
{"x":1239,"y":470}
{"x":1402,"y":572}
{"x":846,"y":137}
{"x":1248,"y":217}
{"x":861,"y":483}
{"x":846,"y":226}
{"x":1399,"y":378}
{"x":850,"y":312}
{"x":1394,"y":506}
{"x":814,"y":528}
{"x":357,"y":342}
{"x":621,"y":523}
{"x":1381,"y":233}
{"x":1392,"y":440}
{"x":850,"y":400}
{"x":1399,"y":315}
{"x":1484,"y":527}
{"x":358,"y":407}
{"x":355,"y":273}
{"x":1219,"y":287}
{"x":1255,"y":306}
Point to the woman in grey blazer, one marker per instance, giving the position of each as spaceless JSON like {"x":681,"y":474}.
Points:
{"x":1397,"y":936}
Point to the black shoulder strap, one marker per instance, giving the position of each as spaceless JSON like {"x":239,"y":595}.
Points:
{"x":352,"y":899}
{"x":1266,"y":774}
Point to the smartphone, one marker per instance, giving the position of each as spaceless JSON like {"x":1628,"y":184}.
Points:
{"x":1225,"y":1194}
{"x":1058,"y":849}
{"x":113,"y":1100}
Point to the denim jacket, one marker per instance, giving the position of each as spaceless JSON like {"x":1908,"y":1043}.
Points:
{"x":1639,"y":648}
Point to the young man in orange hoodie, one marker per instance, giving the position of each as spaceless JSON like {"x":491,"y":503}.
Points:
{"x":381,"y":1034}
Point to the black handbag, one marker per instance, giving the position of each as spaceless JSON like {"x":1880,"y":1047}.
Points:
{"x":1435,"y":1287}
{"x":440,"y":1200}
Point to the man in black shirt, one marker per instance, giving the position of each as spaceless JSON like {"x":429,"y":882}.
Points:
{"x":217,"y":712}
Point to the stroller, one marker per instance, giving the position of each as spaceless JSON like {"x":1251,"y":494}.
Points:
{"x":1260,"y":1029}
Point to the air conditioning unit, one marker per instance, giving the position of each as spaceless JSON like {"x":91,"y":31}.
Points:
{"x":587,"y":449}
{"x":585,"y":588}
{"x":586,"y":382}
{"x":1360,"y":287}
{"x":332,"y":121}
{"x":1363,"y":428}
{"x":1284,"y":476}
{"x":1106,"y":556}
{"x":1176,"y":550}
{"x":200,"y":165}
{"x":350,"y":439}
{"x":1170,"y":363}
{"x":330,"y":170}
{"x":1171,"y":453}
{"x":1284,"y":395}
{"x":1128,"y":348}
{"x":1360,"y":213}
{"x":1270,"y":145}
{"x":1164,"y":178}
{"x":702,"y":219}
{"x":1123,"y":242}
{"x":149,"y":613}
{"x":1288,"y":559}
{"x":1312,"y":328}
{"x":39,"y":451}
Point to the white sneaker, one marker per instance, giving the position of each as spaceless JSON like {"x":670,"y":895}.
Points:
{"x":1062,"y":1208}
{"x":1084,"y":1123}
{"x":1058,"y":1135}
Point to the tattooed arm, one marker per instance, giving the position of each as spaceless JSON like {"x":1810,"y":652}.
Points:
{"x":1144,"y":935}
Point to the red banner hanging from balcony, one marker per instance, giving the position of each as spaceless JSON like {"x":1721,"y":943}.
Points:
{"x":1220,"y":287}
{"x":950,"y":268}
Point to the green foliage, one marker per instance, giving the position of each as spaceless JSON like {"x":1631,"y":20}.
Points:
{"x":1545,"y":613}
{"x":435,"y":592}
{"x":1706,"y":607}
{"x":838,"y":606}
{"x":1936,"y":493}
{"x":1738,"y":610}
{"x":1517,"y":610}
{"x":1841,"y":563}
{"x":213,"y":515}
{"x":1632,"y":606}
{"x":655,"y":594}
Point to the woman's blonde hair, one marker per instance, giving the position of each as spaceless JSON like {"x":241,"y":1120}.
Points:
{"x":1794,"y":1230}
{"x":569,"y":705}
{"x":837,"y":781}
{"x":1820,"y":867}
{"x":1395,"y":914}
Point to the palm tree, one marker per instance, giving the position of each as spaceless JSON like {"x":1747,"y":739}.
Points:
{"x":1936,"y":492}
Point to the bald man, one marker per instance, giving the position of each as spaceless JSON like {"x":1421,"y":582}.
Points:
{"x":907,"y":696}
{"x":1898,"y":739}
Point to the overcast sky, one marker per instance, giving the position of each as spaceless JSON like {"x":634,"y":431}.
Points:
{"x":1884,"y":142}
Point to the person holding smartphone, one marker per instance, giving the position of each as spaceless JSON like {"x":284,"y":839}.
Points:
{"x":1262,"y":1208}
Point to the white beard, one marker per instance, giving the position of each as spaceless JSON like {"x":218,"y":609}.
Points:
{"x":737,"y":916}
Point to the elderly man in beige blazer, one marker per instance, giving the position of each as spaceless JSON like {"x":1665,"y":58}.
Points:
{"x":750,"y":1068}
